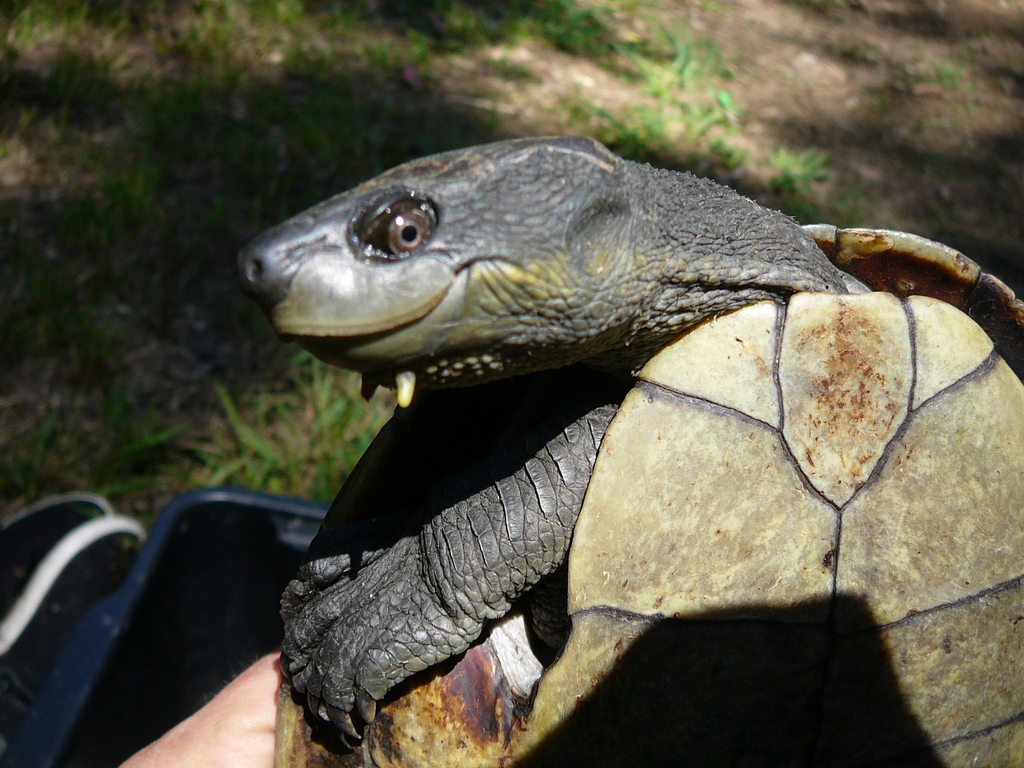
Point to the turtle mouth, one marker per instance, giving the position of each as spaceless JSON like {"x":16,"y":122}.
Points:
{"x":396,"y":338}
{"x":416,"y":323}
{"x":332,"y":297}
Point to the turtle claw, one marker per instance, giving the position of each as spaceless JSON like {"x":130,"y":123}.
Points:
{"x":343,"y":721}
{"x":319,"y":708}
{"x":367,"y":707}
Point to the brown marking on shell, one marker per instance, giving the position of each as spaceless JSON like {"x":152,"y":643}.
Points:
{"x":909,"y":265}
{"x":460,"y":713}
{"x":845,"y":373}
{"x":994,"y":307}
{"x":904,"y":264}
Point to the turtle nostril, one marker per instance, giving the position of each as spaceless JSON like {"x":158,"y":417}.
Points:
{"x":263,"y":274}
{"x":267,"y":265}
{"x":254,"y":269}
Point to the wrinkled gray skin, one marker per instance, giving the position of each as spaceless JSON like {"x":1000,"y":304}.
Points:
{"x":545,"y":253}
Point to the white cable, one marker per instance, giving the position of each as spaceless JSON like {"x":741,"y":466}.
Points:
{"x":62,"y":498}
{"x":50,"y":569}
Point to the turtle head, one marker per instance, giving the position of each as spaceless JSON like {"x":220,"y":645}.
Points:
{"x":458,"y":268}
{"x":497,"y":260}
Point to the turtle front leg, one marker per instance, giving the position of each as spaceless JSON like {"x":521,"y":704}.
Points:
{"x":378,"y":601}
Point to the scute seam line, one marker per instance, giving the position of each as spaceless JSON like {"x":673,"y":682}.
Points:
{"x":981,"y":731}
{"x":780,"y":326}
{"x":930,"y":749}
{"x":978,"y":373}
{"x":912,"y":331}
{"x":836,"y":248}
{"x":658,"y":390}
{"x":995,"y":589}
{"x":982,"y":370}
{"x":655,"y":389}
{"x":781,"y":431}
{"x":883,"y":457}
{"x":651,"y":618}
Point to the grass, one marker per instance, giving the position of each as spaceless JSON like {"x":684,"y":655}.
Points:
{"x":794,"y":172}
{"x":111,"y":446}
{"x":300,"y":442}
{"x":688,"y":114}
{"x":792,"y":175}
{"x":142,"y":144}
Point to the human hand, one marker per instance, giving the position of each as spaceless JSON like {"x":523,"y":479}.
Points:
{"x":236,"y":728}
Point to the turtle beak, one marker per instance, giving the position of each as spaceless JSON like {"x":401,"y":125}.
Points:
{"x":312,"y":282}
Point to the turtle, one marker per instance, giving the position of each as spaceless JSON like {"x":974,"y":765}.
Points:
{"x":673,"y":480}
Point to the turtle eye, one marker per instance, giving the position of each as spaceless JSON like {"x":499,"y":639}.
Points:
{"x":401,"y":227}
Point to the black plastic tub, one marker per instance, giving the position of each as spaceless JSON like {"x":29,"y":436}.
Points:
{"x":199,"y":604}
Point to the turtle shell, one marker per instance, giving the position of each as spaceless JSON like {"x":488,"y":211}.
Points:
{"x":807,"y":549}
